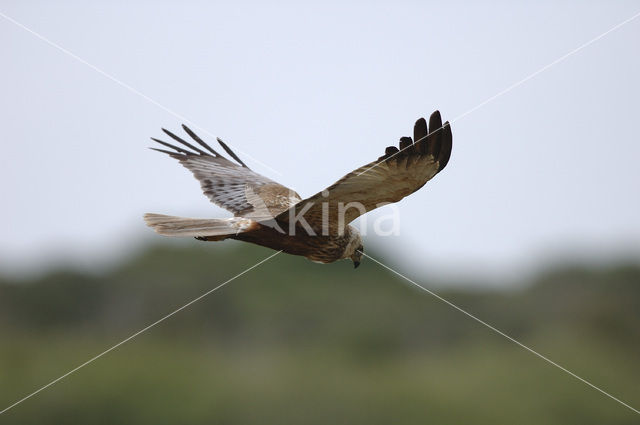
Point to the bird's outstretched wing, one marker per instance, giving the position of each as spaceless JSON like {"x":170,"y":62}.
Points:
{"x":234,"y":187}
{"x":396,"y":174}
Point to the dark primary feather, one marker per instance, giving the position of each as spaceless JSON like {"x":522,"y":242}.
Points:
{"x":230,"y":152}
{"x":435,"y":121}
{"x":420,"y":130}
{"x":434,"y":139}
{"x":197,"y":138}
{"x":447,"y":144}
{"x":390,"y":150}
{"x":169,"y":145}
{"x":405,"y":142}
{"x":164,"y":151}
{"x":184,"y":142}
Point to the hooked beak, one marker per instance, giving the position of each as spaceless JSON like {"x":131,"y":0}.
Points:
{"x":356,"y":264}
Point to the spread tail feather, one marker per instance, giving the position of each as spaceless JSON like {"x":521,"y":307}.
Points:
{"x":213,"y":229}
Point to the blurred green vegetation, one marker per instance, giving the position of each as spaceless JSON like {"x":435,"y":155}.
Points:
{"x":297,"y":342}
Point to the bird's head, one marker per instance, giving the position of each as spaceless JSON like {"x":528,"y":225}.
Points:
{"x":355,"y":249}
{"x":357,"y":256}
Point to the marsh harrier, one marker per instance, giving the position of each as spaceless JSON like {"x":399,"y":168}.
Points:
{"x":269,"y":214}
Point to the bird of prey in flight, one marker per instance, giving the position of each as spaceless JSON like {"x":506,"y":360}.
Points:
{"x":269,"y":214}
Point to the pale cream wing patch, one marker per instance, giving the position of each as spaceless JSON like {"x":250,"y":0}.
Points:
{"x":268,"y":201}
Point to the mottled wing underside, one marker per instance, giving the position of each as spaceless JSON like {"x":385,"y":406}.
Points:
{"x":234,"y":187}
{"x":398,"y":173}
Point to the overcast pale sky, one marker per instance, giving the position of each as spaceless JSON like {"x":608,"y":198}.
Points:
{"x":547,"y":169}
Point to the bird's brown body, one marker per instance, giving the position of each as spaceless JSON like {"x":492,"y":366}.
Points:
{"x":318,"y":248}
